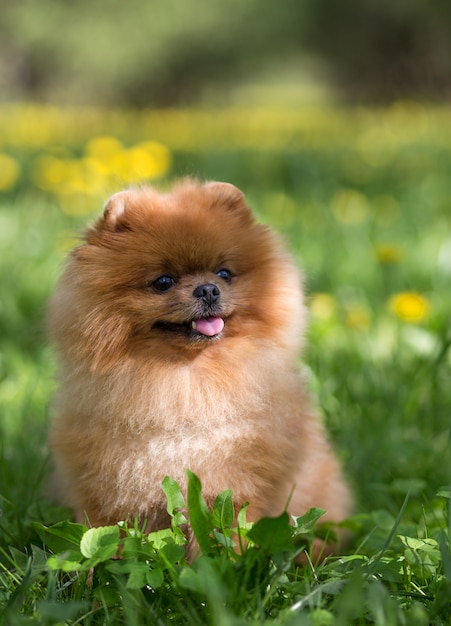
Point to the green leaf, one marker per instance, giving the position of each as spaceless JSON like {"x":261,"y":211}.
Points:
{"x":224,"y":540}
{"x":62,"y":536}
{"x":39,"y":561}
{"x":70,"y":561}
{"x":173,"y":495}
{"x":155,"y":578}
{"x":100,"y":543}
{"x":202,"y":577}
{"x":34,"y":564}
{"x":306,"y":523}
{"x":172,"y":553}
{"x":137,"y":578}
{"x":425,"y":545}
{"x":200,"y":517}
{"x":178,"y":520}
{"x":21,"y":560}
{"x":139,"y":574}
{"x":191,"y":580}
{"x":321,"y":617}
{"x":223,"y":511}
{"x":133,"y":547}
{"x":273,"y":534}
{"x":160,"y":538}
{"x":388,"y":569}
{"x":241,"y":517}
{"x":422,"y":555}
{"x":444,"y":492}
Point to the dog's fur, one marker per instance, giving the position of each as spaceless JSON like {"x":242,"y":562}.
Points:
{"x":143,"y":395}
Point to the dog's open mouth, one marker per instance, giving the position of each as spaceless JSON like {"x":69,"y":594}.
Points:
{"x":208,"y":327}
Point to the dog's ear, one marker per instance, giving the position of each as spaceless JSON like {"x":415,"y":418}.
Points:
{"x":229,"y":197}
{"x":226,"y":192}
{"x":115,"y":210}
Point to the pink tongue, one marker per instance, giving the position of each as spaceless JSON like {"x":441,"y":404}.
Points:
{"x":210,"y":327}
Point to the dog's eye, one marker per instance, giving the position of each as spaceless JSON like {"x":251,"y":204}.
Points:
{"x":163,"y":283}
{"x":225,"y":274}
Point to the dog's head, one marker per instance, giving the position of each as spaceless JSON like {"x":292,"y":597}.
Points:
{"x":175,"y":273}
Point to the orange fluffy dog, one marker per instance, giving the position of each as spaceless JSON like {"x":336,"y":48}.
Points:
{"x":177,"y":325}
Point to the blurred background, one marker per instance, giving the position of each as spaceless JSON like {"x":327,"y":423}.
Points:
{"x":172,"y":53}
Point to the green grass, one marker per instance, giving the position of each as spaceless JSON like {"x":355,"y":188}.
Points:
{"x":382,"y":384}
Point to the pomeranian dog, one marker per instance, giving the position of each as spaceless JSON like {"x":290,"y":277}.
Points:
{"x":177,"y":325}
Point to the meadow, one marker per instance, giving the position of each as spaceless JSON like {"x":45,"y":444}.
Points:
{"x":363,"y":198}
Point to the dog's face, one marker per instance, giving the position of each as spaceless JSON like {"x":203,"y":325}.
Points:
{"x":187,"y":304}
{"x":178,"y":272}
{"x":195,"y":309}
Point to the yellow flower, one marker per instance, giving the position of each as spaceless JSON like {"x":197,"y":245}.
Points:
{"x":159,"y":158}
{"x":388,"y":253}
{"x":144,"y":161}
{"x":323,"y":306}
{"x":9,"y":171}
{"x":409,"y":306}
{"x":88,"y":176}
{"x":49,"y":172}
{"x":103,"y":148}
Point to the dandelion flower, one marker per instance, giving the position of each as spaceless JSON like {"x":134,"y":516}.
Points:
{"x":409,"y":306}
{"x":323,"y":306}
{"x":144,"y":161}
{"x":103,"y":148}
{"x":388,"y":254}
{"x":159,"y":158}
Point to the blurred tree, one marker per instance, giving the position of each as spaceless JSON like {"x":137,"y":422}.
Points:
{"x":380,"y":49}
{"x":140,"y":53}
{"x":169,"y":52}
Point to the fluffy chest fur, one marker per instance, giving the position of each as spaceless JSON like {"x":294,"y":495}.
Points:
{"x":125,"y":430}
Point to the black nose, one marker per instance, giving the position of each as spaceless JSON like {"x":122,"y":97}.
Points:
{"x":209,"y":293}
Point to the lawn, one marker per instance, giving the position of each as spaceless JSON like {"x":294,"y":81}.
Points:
{"x":363,"y":198}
